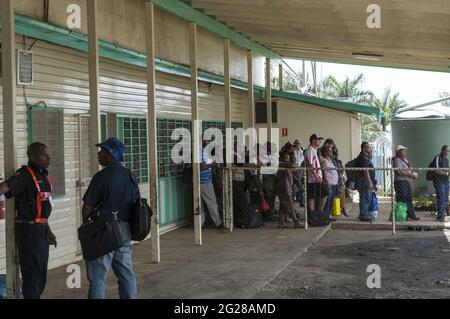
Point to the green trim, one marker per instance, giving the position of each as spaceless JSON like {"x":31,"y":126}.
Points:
{"x":343,"y":106}
{"x":186,"y":12}
{"x":75,"y":40}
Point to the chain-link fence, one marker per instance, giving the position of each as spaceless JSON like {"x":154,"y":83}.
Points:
{"x":255,"y":197}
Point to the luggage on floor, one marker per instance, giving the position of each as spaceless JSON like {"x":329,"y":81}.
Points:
{"x":318,"y":218}
{"x":400,"y":210}
{"x":251,"y":214}
{"x":336,"y":207}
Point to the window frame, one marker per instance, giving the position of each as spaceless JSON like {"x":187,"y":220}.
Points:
{"x":120,"y":134}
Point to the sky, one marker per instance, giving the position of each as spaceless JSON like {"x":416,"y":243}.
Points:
{"x":415,"y":87}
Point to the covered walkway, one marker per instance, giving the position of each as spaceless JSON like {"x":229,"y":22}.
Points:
{"x":228,"y":265}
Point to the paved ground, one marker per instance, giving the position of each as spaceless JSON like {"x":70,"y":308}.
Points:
{"x":228,"y":265}
{"x":413,"y":265}
{"x":427,"y":219}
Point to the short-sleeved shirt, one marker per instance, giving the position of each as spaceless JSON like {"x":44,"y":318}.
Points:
{"x":299,"y":156}
{"x":403,"y":164}
{"x":364,"y":161}
{"x":205,"y":174}
{"x":23,"y":189}
{"x":112,"y":182}
{"x":331,"y":173}
{"x":313,"y":162}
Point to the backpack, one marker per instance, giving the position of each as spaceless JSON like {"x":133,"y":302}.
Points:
{"x":352,"y":175}
{"x":431,"y":174}
{"x":140,"y":215}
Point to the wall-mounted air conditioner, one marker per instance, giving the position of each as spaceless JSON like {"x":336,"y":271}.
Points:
{"x":24,"y":67}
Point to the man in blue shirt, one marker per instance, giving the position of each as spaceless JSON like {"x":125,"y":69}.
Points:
{"x":207,"y":189}
{"x":112,"y":185}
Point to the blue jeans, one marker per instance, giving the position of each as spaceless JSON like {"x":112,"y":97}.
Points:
{"x":442,"y":190}
{"x":121,"y":263}
{"x":404,"y":194}
{"x":365,"y":196}
{"x":333,"y":194}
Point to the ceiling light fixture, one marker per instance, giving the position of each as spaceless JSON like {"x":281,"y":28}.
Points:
{"x":365,"y":56}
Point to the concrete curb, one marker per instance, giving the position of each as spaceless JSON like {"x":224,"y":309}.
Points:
{"x":398,"y":226}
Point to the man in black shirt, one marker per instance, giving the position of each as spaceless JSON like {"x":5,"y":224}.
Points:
{"x":32,"y":188}
{"x":365,"y":182}
{"x":112,"y":186}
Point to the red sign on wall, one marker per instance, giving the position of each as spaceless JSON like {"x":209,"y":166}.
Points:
{"x":284,"y":132}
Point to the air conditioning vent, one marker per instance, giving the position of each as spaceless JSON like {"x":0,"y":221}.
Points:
{"x":24,"y":67}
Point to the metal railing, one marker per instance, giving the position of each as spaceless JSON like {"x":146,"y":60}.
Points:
{"x":246,"y":186}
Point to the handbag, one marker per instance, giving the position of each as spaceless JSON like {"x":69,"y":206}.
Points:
{"x":102,"y":233}
{"x":264,"y":207}
{"x":336,"y":207}
{"x":140,"y":216}
{"x":400,"y":210}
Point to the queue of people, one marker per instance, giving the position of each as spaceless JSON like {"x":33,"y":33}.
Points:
{"x":114,"y":190}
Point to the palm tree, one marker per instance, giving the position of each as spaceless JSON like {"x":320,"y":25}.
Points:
{"x":389,"y":104}
{"x":332,"y":88}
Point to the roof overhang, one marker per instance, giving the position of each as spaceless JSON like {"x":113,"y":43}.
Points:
{"x":78,"y":41}
{"x":413,"y":34}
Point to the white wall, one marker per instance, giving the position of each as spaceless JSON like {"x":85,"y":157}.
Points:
{"x":302,"y":120}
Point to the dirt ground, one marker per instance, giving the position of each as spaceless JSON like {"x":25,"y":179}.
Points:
{"x":413,"y":265}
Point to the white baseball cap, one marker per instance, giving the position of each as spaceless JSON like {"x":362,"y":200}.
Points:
{"x":401,"y":147}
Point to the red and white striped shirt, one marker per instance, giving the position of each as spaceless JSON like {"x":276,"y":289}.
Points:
{"x":312,"y":160}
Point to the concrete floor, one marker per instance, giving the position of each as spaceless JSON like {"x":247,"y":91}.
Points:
{"x":228,"y":265}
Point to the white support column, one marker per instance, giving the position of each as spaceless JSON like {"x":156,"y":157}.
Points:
{"x":94,"y":120}
{"x":151,"y":129}
{"x":196,"y":130}
{"x":280,"y":76}
{"x":269,"y":101}
{"x":251,"y":93}
{"x":10,"y":137}
{"x":229,"y":137}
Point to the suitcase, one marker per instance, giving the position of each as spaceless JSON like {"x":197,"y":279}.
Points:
{"x":252,"y":217}
{"x":318,"y":218}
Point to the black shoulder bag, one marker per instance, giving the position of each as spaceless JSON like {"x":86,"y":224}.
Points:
{"x":102,"y":234}
{"x":140,"y":216}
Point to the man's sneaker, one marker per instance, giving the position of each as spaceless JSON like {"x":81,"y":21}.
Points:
{"x":441,"y":219}
{"x":332,"y":219}
{"x":415,"y":218}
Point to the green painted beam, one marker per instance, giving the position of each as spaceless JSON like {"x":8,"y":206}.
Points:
{"x":78,"y":41}
{"x":343,"y":106}
{"x":186,"y":12}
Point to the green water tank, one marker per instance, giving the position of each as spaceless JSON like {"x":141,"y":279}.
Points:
{"x":424,"y":139}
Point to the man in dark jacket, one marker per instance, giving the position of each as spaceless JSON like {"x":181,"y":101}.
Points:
{"x":365,"y":182}
{"x":440,"y":182}
{"x":113,"y":185}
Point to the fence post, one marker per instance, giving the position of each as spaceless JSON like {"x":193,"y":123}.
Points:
{"x":392,"y":200}
{"x":306,"y":197}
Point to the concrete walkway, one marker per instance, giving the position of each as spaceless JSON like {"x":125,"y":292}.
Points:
{"x":228,"y":265}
